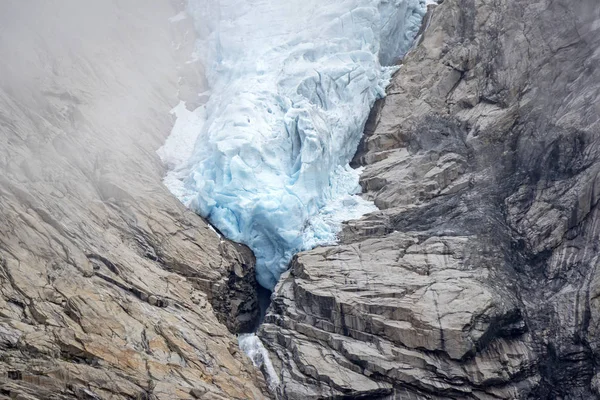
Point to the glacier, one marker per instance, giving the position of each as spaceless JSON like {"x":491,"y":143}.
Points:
{"x":291,"y":86}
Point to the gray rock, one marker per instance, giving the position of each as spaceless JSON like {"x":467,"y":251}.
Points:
{"x":109,"y":288}
{"x":478,"y":278}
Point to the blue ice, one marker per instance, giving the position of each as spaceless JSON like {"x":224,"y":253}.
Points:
{"x":292,"y":84}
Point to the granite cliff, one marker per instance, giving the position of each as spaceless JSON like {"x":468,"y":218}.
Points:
{"x":478,"y":278}
{"x":109,"y":287}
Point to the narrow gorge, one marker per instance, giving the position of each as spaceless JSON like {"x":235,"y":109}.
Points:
{"x":414,"y":184}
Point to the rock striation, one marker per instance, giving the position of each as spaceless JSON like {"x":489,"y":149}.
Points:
{"x":478,"y":278}
{"x":109,"y":288}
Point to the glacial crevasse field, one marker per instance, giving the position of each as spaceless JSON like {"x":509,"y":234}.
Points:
{"x":291,"y":86}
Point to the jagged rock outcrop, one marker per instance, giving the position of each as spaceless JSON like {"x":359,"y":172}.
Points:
{"x":478,"y":279}
{"x":109,"y":288}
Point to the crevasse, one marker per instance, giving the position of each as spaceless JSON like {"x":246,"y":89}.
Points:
{"x":291,"y":86}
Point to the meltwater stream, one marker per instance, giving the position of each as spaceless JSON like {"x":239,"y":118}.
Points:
{"x":292,"y":83}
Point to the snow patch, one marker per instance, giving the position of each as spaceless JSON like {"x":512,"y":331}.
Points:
{"x":179,"y":17}
{"x":179,"y":146}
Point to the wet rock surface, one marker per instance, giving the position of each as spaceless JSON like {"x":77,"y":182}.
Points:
{"x":109,"y":288}
{"x":478,"y":278}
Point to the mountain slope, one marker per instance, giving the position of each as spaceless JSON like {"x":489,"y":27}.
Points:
{"x":109,"y":288}
{"x":478,"y":279}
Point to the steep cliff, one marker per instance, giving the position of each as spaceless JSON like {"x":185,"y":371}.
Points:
{"x":478,"y":278}
{"x":109,"y":288}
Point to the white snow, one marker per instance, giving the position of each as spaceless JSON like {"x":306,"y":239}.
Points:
{"x":292,"y":83}
{"x":179,"y":146}
{"x":180,"y":17}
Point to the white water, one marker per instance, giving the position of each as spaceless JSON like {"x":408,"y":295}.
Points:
{"x":254,"y":349}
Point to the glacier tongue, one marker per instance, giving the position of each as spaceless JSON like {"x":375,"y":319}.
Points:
{"x":292,"y":84}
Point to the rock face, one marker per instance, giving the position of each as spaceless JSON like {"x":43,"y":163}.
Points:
{"x":109,"y":288}
{"x":478,"y":278}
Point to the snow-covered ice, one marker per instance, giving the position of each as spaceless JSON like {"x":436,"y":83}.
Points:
{"x":179,"y":146}
{"x":292,"y":83}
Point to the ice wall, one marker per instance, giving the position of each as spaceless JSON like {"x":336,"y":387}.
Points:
{"x":291,"y":86}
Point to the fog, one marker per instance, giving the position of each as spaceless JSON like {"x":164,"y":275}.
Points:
{"x":96,"y":256}
{"x":86,"y":88}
